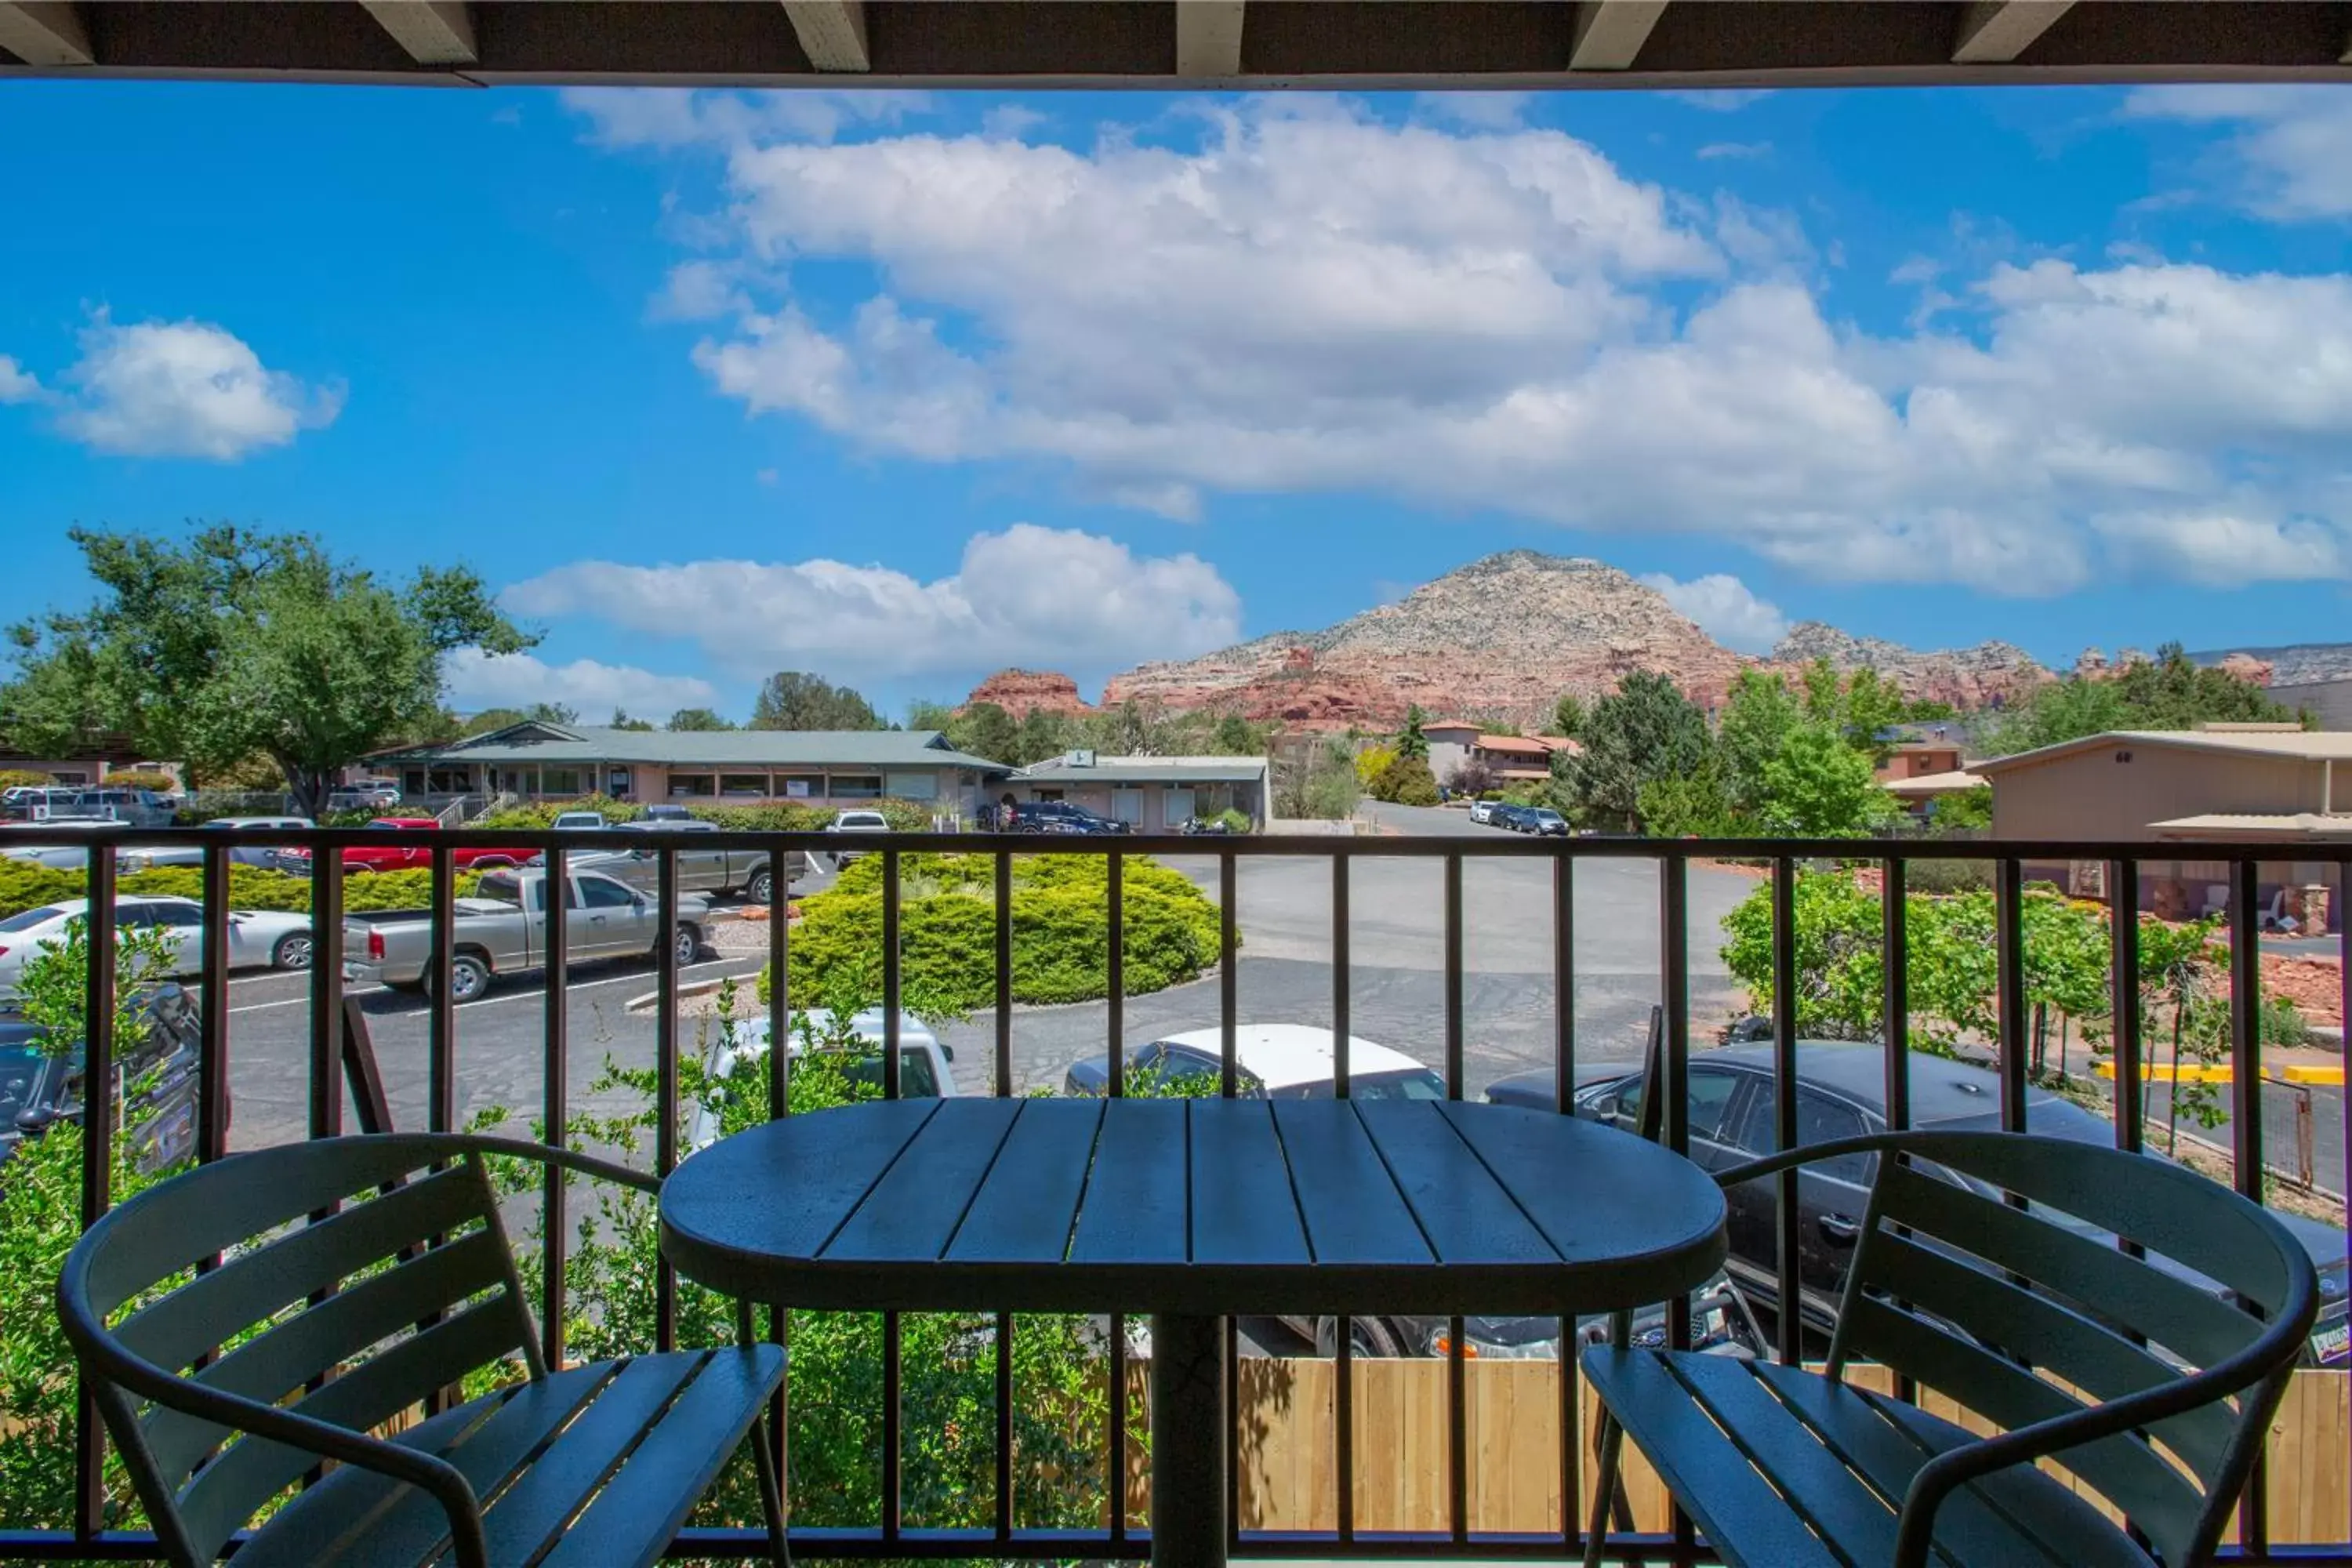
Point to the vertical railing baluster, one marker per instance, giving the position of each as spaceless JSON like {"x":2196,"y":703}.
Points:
{"x":1341,"y":1026}
{"x":1674,"y":949}
{"x":1003,"y":1075}
{"x":893,"y":1344}
{"x":326,"y":991}
{"x":1343,"y":1333}
{"x":780,"y":1082}
{"x":441,"y":1008}
{"x":893,"y":978}
{"x":1785,"y":1217}
{"x":555,"y":892}
{"x":1454,"y":977}
{"x":666,"y":1069}
{"x":2009,"y":948}
{"x":98,"y":1103}
{"x":2246,"y":1156}
{"x":1894,"y":1021}
{"x":212,"y":1015}
{"x":1563,"y":1093}
{"x":1228,"y":975}
{"x":1457,"y":1389}
{"x":2122,"y":986}
{"x":1114,"y":1068}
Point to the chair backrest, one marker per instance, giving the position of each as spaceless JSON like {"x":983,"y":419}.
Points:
{"x":161,"y":1343}
{"x":1988,"y":1303}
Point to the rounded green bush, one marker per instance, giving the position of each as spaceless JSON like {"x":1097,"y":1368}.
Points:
{"x":24,"y":885}
{"x":1061,"y":947}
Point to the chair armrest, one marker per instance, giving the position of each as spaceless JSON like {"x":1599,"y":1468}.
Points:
{"x":455,"y":1144}
{"x":1836,"y":1148}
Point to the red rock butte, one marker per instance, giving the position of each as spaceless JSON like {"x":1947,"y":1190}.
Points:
{"x":1021,"y":692}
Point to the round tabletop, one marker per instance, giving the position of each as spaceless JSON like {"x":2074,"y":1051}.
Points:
{"x":1213,"y":1207}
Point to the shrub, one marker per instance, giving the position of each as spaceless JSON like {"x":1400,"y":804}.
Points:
{"x":1060,"y":936}
{"x":25,"y":778}
{"x":1233,"y":821}
{"x":24,"y":885}
{"x":776,"y":817}
{"x":1948,"y":877}
{"x":146,"y":778}
{"x":1406,"y":781}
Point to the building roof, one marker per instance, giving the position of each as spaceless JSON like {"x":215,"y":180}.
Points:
{"x":1351,"y":44}
{"x":2301,"y":825}
{"x":1149,"y":770}
{"x":1951,"y":783}
{"x":1526,"y":745}
{"x":2301,"y":745}
{"x":534,"y":741}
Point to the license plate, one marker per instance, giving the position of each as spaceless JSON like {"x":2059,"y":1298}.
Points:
{"x":2330,"y":1345}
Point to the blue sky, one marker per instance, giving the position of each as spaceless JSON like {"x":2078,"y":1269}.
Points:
{"x":903,"y":388}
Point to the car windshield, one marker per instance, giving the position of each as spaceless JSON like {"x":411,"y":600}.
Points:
{"x":28,"y":919}
{"x":1406,"y":1083}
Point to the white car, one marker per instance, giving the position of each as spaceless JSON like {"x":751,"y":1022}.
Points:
{"x":1482,"y":811}
{"x":926,"y":1067}
{"x":148,"y":856}
{"x":565,"y":821}
{"x":1273,"y":1061}
{"x":257,"y":938}
{"x":855,"y":822}
{"x":58,"y":856}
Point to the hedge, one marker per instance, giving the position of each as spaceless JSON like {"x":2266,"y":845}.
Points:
{"x":1061,"y":945}
{"x":24,"y":885}
{"x":905,"y":816}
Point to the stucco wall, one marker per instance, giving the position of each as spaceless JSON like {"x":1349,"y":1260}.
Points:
{"x":2093,"y":795}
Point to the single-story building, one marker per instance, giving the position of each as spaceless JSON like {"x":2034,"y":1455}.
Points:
{"x":2328,"y":703}
{"x":2245,"y":782}
{"x":536,"y":760}
{"x":88,"y":765}
{"x":1157,"y":795}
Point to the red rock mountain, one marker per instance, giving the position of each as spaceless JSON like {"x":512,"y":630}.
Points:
{"x":1022,"y":692}
{"x":1964,"y":677}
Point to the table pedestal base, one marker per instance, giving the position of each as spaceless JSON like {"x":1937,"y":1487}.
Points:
{"x":1189,"y":1424}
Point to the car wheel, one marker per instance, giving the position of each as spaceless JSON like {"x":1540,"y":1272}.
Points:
{"x":292,"y":952}
{"x":686,"y":946}
{"x":469,"y":976}
{"x":1366,"y":1337}
{"x":761,"y":888}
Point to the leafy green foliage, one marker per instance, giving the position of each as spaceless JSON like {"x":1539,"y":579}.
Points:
{"x":25,"y":778}
{"x":985,"y":730}
{"x":1965,"y":810}
{"x":231,"y":643}
{"x":1697,"y":804}
{"x":2168,"y":692}
{"x":621,"y":720}
{"x":795,"y":699}
{"x":24,"y":885}
{"x":1646,"y":730}
{"x":1323,"y":784}
{"x":1411,"y":741}
{"x":1568,"y":716}
{"x":1060,"y":936}
{"x":1818,"y":786}
{"x":688,"y":721}
{"x":773,"y":816}
{"x":1407,"y":781}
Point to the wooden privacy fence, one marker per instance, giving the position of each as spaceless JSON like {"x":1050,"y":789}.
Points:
{"x":1289,"y":1453}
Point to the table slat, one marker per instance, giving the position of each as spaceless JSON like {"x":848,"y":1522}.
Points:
{"x":1351,"y":1207}
{"x":914,"y":1209}
{"x":1242,"y":1211}
{"x":1028,"y":1204}
{"x":797,"y":1189}
{"x":1585,"y":1202}
{"x":1134,"y":1207}
{"x":1463,"y":1210}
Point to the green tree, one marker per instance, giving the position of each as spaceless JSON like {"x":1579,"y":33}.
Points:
{"x":1964,"y":809}
{"x":795,"y":699}
{"x":621,"y":720}
{"x":1567,"y":715}
{"x":686,"y":720}
{"x":1760,"y":716}
{"x":1137,"y":727}
{"x":230,"y":643}
{"x":491,"y":720}
{"x":1697,"y":804}
{"x":1644,"y":729}
{"x":2171,"y":691}
{"x":986,"y":730}
{"x":925,"y":714}
{"x":1235,"y":736}
{"x":1043,"y":735}
{"x":1818,"y":786}
{"x":1411,"y":741}
{"x":1861,"y":707}
{"x":1407,"y":781}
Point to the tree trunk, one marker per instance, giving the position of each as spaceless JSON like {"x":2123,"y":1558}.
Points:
{"x":308,"y":786}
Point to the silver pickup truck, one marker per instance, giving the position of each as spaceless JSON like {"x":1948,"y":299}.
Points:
{"x":712,"y":870}
{"x":502,"y":929}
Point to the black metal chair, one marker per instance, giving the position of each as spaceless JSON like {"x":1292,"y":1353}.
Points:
{"x":224,"y":1387}
{"x":2144,"y":1383}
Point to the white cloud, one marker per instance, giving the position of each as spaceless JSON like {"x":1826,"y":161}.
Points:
{"x":478,"y":679}
{"x":177,"y":389}
{"x":1721,"y":99}
{"x":679,"y":117}
{"x":2229,"y":549}
{"x":17,"y":385}
{"x":1726,"y":609}
{"x":1736,"y":150}
{"x":1028,"y":594}
{"x":2291,"y":157}
{"x":1306,"y":298}
{"x":1479,"y":110}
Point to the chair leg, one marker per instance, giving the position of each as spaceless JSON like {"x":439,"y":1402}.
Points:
{"x":771,"y":1497}
{"x":1606,"y":1488}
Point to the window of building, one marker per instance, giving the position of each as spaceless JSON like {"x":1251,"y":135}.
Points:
{"x":751,"y":786}
{"x":801,"y":786}
{"x":855,"y":786}
{"x":913,"y":786}
{"x":617,"y":784}
{"x":558,"y":781}
{"x":692,"y":786}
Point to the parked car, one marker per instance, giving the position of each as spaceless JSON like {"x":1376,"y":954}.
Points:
{"x":365,"y":794}
{"x":148,"y":856}
{"x":848,"y":821}
{"x":1061,"y":816}
{"x":712,"y":870}
{"x":664,"y":811}
{"x":1544,"y":822}
{"x":65,"y":857}
{"x":137,"y":807}
{"x":32,"y":803}
{"x":41,"y":1086}
{"x":570,"y":821}
{"x":1483,"y":811}
{"x":273,"y":939}
{"x":1840,"y":1091}
{"x":399,"y":856}
{"x":1506,"y":814}
{"x":1271,"y":1061}
{"x":502,"y":929}
{"x":926,"y":1067}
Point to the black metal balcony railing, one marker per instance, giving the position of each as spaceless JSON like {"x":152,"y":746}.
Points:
{"x":892,"y":1537}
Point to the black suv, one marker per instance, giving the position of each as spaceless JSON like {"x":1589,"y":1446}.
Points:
{"x":39,"y":1086}
{"x":1059,"y":817}
{"x":1841,"y":1093}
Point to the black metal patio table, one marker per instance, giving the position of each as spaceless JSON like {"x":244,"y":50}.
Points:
{"x":1191,"y":1211}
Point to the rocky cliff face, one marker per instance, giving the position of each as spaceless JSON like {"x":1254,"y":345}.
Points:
{"x":1022,"y":692}
{"x":1965,"y":677}
{"x":1501,"y":637}
{"x":2294,"y":665}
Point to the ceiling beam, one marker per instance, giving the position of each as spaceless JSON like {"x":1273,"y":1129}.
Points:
{"x":44,"y":33}
{"x":832,"y":33}
{"x":434,"y":32}
{"x":1208,"y":39}
{"x":1995,"y":32}
{"x":1611,"y":33}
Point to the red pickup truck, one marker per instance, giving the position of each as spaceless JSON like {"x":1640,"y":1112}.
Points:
{"x":397,"y":857}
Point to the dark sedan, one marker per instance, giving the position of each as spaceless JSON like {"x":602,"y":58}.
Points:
{"x":1061,"y":816}
{"x":39,"y":1086}
{"x":1841,"y":1093}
